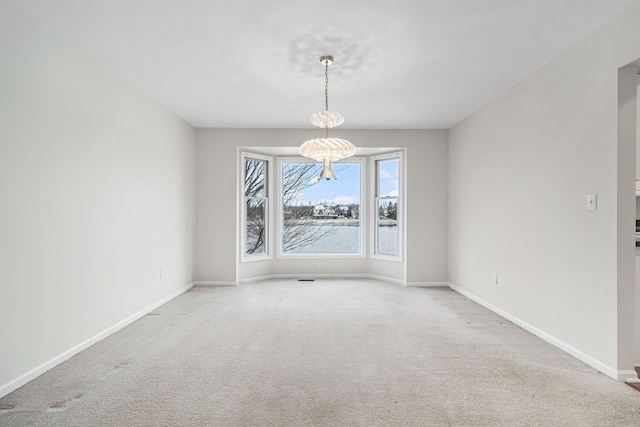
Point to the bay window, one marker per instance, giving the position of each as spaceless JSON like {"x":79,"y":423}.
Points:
{"x":308,"y":217}
{"x":388,"y":206}
{"x":320,"y":217}
{"x":255,"y":206}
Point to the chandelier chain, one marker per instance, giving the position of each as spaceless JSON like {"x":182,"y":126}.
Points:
{"x":326,"y":86}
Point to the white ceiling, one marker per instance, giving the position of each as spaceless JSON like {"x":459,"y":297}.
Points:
{"x":402,"y":64}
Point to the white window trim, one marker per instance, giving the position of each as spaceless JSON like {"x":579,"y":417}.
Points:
{"x":400,"y":214}
{"x":362,"y":212}
{"x":268,"y":252}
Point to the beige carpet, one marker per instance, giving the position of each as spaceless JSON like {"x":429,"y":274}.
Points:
{"x":324,"y":353}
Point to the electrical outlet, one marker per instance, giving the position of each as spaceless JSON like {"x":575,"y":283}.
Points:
{"x":320,"y":265}
{"x":495,"y":278}
{"x":162,"y":273}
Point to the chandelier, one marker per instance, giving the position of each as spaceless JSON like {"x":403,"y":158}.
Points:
{"x":327,"y":150}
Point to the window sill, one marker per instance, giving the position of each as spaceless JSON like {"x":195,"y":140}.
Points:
{"x":321,"y":256}
{"x":391,"y":258}
{"x":255,"y":258}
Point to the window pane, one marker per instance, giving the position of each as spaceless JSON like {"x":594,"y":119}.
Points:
{"x":254,"y":178}
{"x":388,"y":227}
{"x":320,"y":216}
{"x":255,"y":226}
{"x":388,"y":178}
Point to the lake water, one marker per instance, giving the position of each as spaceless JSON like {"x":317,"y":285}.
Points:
{"x":346,"y":239}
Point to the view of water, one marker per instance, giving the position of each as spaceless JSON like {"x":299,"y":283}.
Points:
{"x":346,"y":239}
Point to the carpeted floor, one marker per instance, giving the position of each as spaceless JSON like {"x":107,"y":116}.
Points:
{"x":324,"y":353}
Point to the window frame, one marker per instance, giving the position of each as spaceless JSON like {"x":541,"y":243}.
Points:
{"x":375,"y":198}
{"x":362,"y":214}
{"x":268,"y":208}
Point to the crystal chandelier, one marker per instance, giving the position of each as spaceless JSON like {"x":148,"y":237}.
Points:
{"x":327,"y":150}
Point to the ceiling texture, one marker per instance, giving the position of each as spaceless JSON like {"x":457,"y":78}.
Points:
{"x":402,"y":64}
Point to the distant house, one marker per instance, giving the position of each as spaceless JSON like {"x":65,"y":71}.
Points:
{"x":355,"y":212}
{"x":321,"y":211}
{"x":342,"y":210}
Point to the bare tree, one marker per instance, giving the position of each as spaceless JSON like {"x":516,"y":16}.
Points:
{"x":299,"y":229}
{"x":254,"y":191}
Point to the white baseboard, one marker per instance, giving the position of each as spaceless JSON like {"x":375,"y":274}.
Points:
{"x":323,"y":276}
{"x":211,"y":283}
{"x":594,"y":363}
{"x":428,"y":284}
{"x":343,"y":276}
{"x":303,"y":276}
{"x":386,"y":279}
{"x":630,"y":376}
{"x":36,"y":372}
{"x":269,"y":277}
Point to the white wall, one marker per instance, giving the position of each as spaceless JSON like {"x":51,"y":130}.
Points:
{"x":637,"y":129}
{"x":97,"y":194}
{"x":520,"y":169}
{"x":637,"y":278}
{"x":427,"y":204}
{"x":637,"y":312}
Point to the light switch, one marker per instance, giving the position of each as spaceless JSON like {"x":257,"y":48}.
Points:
{"x":592,"y":202}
